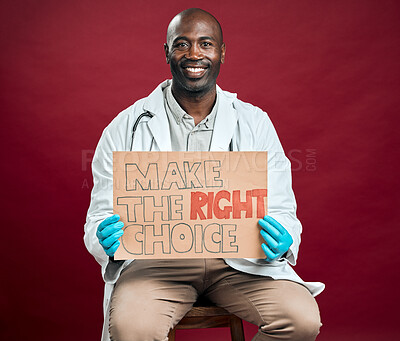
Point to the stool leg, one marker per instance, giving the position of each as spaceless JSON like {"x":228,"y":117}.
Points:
{"x":171,"y":335}
{"x":236,"y":325}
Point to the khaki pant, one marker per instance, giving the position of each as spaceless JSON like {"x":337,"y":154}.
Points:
{"x":151,"y":296}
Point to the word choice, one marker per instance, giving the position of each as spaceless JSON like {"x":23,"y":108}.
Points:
{"x":180,"y":238}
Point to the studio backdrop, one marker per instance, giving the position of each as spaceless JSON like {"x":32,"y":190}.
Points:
{"x":327,"y":73}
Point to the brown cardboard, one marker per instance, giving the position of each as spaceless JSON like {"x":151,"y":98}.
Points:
{"x":190,"y":204}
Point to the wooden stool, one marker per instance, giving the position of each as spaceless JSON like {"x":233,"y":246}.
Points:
{"x":206,"y":315}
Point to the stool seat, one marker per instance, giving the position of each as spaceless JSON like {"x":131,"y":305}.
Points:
{"x":206,"y":315}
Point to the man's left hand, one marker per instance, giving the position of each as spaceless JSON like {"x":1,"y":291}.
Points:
{"x":277,"y":239}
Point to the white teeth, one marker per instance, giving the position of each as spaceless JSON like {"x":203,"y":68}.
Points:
{"x":194,"y":69}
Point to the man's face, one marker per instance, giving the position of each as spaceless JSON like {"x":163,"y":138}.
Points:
{"x":195,"y":52}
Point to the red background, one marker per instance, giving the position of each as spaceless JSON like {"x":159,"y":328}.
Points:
{"x":327,"y":72}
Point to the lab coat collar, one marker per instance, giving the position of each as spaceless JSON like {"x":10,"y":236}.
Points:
{"x":224,"y":126}
{"x":225,"y":121}
{"x":158,"y":124}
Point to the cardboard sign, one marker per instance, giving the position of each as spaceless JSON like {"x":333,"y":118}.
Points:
{"x":190,"y":204}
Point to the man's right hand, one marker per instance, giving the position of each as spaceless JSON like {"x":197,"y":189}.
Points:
{"x":108,"y":233}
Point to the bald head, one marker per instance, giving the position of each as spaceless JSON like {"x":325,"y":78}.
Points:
{"x":195,"y":50}
{"x":192,"y":16}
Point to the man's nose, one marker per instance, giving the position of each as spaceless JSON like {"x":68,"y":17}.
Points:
{"x":194,"y":52}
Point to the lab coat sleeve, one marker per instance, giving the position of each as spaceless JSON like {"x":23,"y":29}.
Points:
{"x":115,"y":137}
{"x":281,"y":200}
{"x":101,"y":205}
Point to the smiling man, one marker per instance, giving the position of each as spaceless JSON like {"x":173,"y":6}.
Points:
{"x":195,"y":51}
{"x":145,"y":299}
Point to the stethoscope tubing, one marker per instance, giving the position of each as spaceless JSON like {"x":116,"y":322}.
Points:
{"x":145,"y":114}
{"x":148,"y":114}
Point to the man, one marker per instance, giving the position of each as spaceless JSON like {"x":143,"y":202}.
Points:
{"x":144,"y":299}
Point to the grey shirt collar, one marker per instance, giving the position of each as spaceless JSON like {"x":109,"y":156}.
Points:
{"x":178,"y":113}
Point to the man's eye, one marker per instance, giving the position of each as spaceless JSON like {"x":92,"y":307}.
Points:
{"x":206,"y":44}
{"x":181,"y":45}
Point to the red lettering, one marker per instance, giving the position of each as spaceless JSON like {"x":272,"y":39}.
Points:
{"x":260,"y":194}
{"x":214,"y":210}
{"x":210,"y":205}
{"x":197,"y":201}
{"x":239,"y":206}
{"x":225,"y":212}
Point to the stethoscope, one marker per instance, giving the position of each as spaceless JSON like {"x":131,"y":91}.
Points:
{"x":145,"y":114}
{"x":150,"y":115}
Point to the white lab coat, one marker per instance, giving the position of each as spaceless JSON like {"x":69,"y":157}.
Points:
{"x":249,"y":129}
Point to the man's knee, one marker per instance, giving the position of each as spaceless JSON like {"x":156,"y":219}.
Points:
{"x":122,"y":329}
{"x":300,"y":310}
{"x":293,"y":325}
{"x":296,"y":317}
{"x":305,"y":326}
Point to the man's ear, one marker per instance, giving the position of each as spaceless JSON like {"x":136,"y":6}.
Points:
{"x":166,"y":49}
{"x":223,"y":50}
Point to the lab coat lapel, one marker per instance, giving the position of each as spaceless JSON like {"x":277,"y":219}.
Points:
{"x":158,"y":124}
{"x":224,"y":126}
{"x":225,"y":122}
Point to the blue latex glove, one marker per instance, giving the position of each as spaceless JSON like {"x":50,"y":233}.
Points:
{"x":108,"y":233}
{"x":277,"y":238}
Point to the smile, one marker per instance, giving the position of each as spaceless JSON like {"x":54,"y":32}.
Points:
{"x":195,"y":69}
